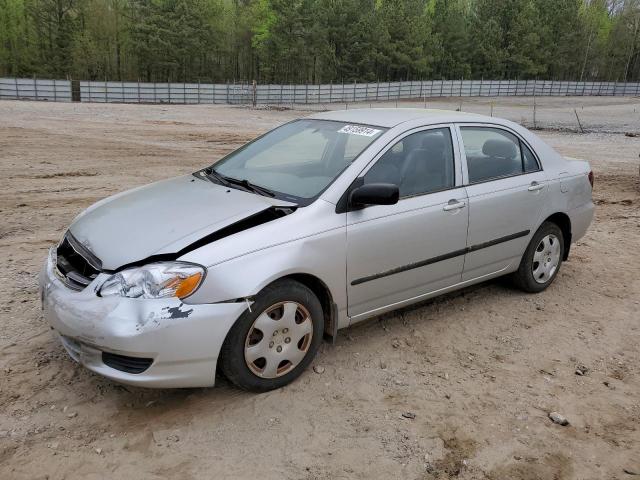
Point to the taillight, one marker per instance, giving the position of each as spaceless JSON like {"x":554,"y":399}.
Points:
{"x":591,"y":178}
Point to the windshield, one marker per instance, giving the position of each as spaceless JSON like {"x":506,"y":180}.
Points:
{"x":298,"y":160}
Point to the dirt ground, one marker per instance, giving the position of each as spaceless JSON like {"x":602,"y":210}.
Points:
{"x":480,"y":369}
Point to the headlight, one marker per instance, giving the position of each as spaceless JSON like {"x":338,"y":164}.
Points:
{"x":156,"y":280}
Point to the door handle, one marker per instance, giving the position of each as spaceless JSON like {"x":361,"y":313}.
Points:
{"x":535,"y":186}
{"x":454,"y":205}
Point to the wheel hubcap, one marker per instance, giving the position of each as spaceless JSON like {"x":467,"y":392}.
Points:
{"x":278,"y":340}
{"x":546,"y":258}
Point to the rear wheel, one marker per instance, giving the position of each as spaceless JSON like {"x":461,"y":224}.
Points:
{"x":272,"y":344}
{"x":542,"y":259}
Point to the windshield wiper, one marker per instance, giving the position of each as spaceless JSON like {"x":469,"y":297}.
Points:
{"x":244,"y":183}
{"x":250,"y":186}
{"x":211,"y":173}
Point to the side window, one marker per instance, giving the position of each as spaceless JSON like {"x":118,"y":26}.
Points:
{"x":529,"y":159}
{"x":491,"y":153}
{"x":420,"y":163}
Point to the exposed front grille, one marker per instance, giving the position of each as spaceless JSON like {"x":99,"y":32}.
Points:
{"x":77,"y":266}
{"x":126,"y":364}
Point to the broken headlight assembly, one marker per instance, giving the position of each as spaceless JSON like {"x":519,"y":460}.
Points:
{"x":156,"y":280}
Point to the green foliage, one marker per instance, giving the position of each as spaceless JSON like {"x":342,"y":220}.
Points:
{"x":298,"y":41}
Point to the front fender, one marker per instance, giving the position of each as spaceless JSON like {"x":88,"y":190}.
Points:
{"x":322,"y":255}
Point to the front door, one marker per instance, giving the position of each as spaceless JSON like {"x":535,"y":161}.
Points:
{"x":396,"y":253}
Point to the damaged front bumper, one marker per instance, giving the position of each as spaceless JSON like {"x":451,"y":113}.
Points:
{"x":146,"y":342}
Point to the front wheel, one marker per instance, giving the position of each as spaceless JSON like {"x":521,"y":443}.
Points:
{"x":542,"y":259}
{"x":271,"y":344}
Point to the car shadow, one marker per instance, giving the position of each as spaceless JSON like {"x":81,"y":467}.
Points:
{"x":170,"y":402}
{"x":498,"y":286}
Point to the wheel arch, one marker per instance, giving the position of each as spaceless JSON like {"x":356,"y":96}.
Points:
{"x":322,"y":291}
{"x":563,"y":221}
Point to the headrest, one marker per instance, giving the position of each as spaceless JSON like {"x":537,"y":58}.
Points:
{"x":499,"y":148}
{"x":433,"y":142}
{"x":419,"y":154}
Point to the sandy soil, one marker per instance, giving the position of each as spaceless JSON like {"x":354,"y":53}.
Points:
{"x":480,"y":369}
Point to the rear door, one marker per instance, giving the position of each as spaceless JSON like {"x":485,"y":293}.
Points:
{"x":398,"y":252}
{"x":506,"y":188}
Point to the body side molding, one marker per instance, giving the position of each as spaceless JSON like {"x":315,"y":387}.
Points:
{"x":440,"y":258}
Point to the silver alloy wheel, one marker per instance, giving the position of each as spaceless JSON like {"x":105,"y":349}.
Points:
{"x":546,"y":258}
{"x":278,"y":340}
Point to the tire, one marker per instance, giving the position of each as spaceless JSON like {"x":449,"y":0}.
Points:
{"x":536,"y":272}
{"x":271,"y":345}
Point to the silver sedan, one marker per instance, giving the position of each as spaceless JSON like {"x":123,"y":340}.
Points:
{"x":244,"y":266}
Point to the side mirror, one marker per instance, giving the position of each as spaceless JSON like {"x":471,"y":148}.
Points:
{"x":375,"y":194}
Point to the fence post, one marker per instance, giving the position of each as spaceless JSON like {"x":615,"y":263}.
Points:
{"x":105,"y":90}
{"x":35,"y":86}
{"x":255,"y":94}
{"x":354,"y":91}
{"x":534,"y":104}
{"x":578,"y":118}
{"x":227,"y":92}
{"x":306,"y":93}
{"x":331,"y":91}
{"x":424,"y":93}
{"x":139,"y":99}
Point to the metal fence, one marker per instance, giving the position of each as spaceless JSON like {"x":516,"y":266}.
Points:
{"x":246,"y":93}
{"x":32,"y":89}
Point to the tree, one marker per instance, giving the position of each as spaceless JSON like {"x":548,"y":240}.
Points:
{"x":16,"y":51}
{"x":320,"y":40}
{"x":451,"y":43}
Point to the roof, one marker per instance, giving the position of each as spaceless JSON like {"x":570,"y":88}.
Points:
{"x":390,"y":117}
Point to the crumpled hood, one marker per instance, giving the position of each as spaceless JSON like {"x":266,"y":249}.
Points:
{"x":162,"y":218}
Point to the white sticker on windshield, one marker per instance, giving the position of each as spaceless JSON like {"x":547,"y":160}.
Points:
{"x":359,"y":130}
